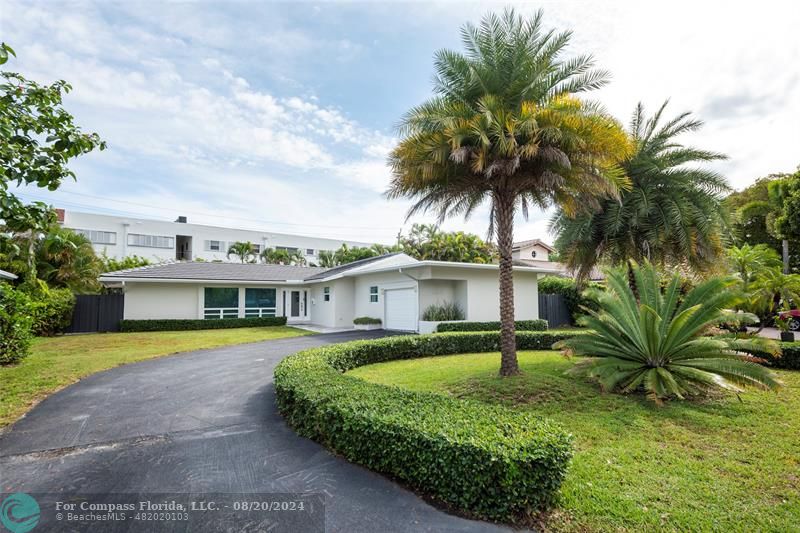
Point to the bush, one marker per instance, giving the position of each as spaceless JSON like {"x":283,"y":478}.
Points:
{"x":521,"y":325}
{"x":15,"y":324}
{"x":366,"y":321}
{"x":51,"y":310}
{"x":573,"y":297}
{"x":445,"y":311}
{"x":789,"y":358}
{"x":184,"y":325}
{"x":483,"y":459}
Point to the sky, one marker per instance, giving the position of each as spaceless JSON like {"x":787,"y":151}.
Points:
{"x":280,"y":116}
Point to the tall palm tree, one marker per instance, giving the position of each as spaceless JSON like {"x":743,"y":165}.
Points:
{"x":245,"y":251}
{"x":505,"y":128}
{"x":671,"y":214}
{"x":271,"y":256}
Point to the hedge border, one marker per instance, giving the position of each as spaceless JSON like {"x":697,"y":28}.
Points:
{"x":536,"y":324}
{"x":485,"y":460}
{"x":788,"y":360}
{"x":129,"y":326}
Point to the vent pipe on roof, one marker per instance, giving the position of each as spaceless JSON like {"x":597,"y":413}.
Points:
{"x":181,"y":220}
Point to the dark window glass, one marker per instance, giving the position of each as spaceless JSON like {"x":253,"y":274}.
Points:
{"x":221,"y":297}
{"x":260,"y":297}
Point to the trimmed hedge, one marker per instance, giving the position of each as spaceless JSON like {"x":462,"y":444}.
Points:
{"x":483,"y":459}
{"x":15,"y":324}
{"x":789,"y":358}
{"x":366,"y":321}
{"x":182,"y":325}
{"x":521,"y":325}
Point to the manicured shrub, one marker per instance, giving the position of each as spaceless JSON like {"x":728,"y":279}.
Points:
{"x":574,"y":297}
{"x":521,"y":325}
{"x":183,"y":325}
{"x":15,"y":324}
{"x":366,"y":321}
{"x":51,"y":310}
{"x":789,"y":358}
{"x":484,"y":459}
{"x":445,"y":311}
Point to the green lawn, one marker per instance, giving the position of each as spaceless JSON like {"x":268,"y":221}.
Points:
{"x":55,"y":362}
{"x":719,"y":464}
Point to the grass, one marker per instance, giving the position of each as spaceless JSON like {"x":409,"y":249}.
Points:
{"x":718,"y":464}
{"x":56,"y":362}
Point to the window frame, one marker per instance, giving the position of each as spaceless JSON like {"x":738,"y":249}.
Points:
{"x":326,"y":294}
{"x":92,"y":234}
{"x":132,"y":238}
{"x":373,"y":294}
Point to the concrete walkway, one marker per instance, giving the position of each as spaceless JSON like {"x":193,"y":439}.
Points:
{"x":202,"y":421}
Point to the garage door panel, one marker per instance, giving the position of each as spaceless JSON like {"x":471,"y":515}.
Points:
{"x":401,"y":309}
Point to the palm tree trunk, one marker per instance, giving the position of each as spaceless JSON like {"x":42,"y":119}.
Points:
{"x":504,"y":226}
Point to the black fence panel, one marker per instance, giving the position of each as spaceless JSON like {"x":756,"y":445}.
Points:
{"x":553,"y":308}
{"x":97,"y":312}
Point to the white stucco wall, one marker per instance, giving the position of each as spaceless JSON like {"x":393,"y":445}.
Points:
{"x":385,"y":280}
{"x":542,"y":253}
{"x":144,"y":301}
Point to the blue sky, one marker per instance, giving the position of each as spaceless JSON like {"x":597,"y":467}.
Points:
{"x":280,"y":115}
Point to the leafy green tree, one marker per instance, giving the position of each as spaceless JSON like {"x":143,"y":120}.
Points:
{"x":16,"y":322}
{"x":245,"y":251}
{"x":671,"y":215}
{"x":505,"y":128}
{"x":427,"y":241}
{"x":655,"y":344}
{"x":272,"y":256}
{"x":38,"y":138}
{"x":346,"y":254}
{"x":784,"y":222}
{"x":66,"y":259}
{"x":111,"y":264}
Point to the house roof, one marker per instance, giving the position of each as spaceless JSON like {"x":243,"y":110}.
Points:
{"x":341,"y":269}
{"x":533,"y":242}
{"x":7,"y":275}
{"x":199,"y":270}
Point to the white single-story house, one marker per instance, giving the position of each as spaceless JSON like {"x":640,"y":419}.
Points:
{"x":394,"y":288}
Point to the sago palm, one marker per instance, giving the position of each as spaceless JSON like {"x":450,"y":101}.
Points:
{"x":505,"y":128}
{"x":670,"y":215}
{"x":656,"y":343}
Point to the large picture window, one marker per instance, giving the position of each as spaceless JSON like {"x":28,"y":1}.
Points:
{"x":260,"y":302}
{"x":221,"y":302}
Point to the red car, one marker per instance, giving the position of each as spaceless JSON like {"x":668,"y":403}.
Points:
{"x":794,"y":315}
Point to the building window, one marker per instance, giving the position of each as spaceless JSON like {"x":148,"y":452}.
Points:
{"x":150,"y":241}
{"x":215,"y":246}
{"x":257,"y":248}
{"x":373,"y":294}
{"x":98,"y":237}
{"x":309,"y":251}
{"x":260,"y":302}
{"x":533,"y":253}
{"x":326,"y":294}
{"x":221,"y":302}
{"x":287,"y":249}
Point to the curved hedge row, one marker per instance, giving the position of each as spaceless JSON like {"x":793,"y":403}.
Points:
{"x":483,"y":459}
{"x":536,"y":324}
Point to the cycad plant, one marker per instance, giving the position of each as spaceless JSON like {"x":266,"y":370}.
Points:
{"x":656,"y":344}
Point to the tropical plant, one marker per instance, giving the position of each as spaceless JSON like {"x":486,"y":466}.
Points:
{"x":670,"y":216}
{"x":37,"y":139}
{"x":15,"y":324}
{"x":67,"y":259}
{"x":282,"y":256}
{"x":773,"y":290}
{"x":505,"y":128}
{"x":244,"y":251}
{"x":750,"y":262}
{"x":427,"y":241}
{"x":111,"y":264}
{"x":656,"y":343}
{"x":443,"y":311}
{"x":347,"y":254}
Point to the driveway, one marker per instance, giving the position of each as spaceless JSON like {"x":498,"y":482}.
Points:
{"x":201,"y":422}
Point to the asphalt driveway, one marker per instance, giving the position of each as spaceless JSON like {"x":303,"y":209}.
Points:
{"x":201,"y":422}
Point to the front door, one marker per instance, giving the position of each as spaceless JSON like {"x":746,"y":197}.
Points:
{"x":297,"y":305}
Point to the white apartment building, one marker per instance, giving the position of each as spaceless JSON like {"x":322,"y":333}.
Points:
{"x":158,"y":241}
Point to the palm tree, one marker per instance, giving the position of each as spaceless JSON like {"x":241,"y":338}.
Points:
{"x":772,"y":291}
{"x":65,"y":258}
{"x":272,"y":256}
{"x":245,"y":251}
{"x":750,"y":262}
{"x":656,"y":343}
{"x":505,"y":128}
{"x":671,"y":215}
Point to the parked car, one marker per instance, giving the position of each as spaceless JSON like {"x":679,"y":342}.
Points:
{"x":794,"y":315}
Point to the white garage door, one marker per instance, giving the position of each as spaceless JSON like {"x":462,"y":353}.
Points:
{"x":401,"y":309}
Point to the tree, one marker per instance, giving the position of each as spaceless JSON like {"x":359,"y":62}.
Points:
{"x":751,"y":262}
{"x":111,"y":264}
{"x":505,"y":128}
{"x":39,"y":138}
{"x":426,"y":241}
{"x":784,"y":195}
{"x":245,"y":251}
{"x":66,"y":259}
{"x":656,"y":343}
{"x":671,"y":215}
{"x":773,"y":290}
{"x":272,"y":256}
{"x":346,"y":254}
